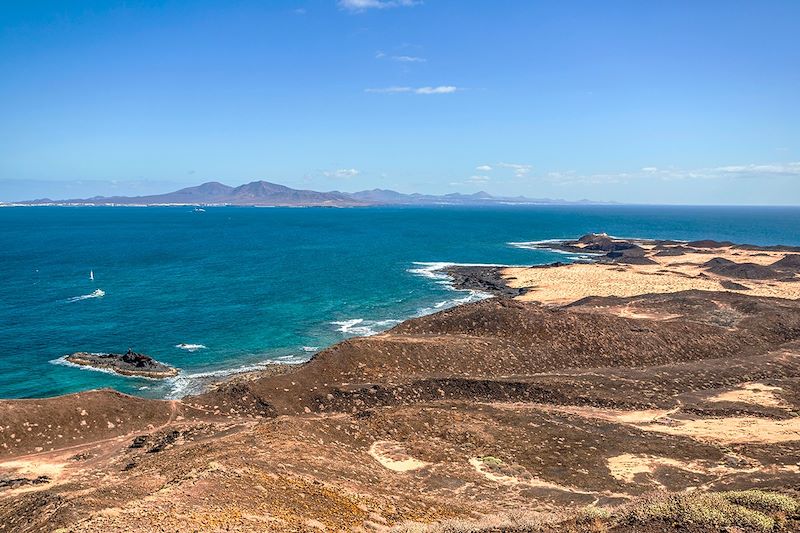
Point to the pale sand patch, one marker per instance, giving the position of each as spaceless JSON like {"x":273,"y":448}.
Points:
{"x":627,"y":312}
{"x":565,"y":284}
{"x":737,"y":256}
{"x":645,"y":416}
{"x":753,"y":393}
{"x":32,"y":469}
{"x":627,"y":466}
{"x":392,"y":455}
{"x":731,"y":430}
{"x":726,"y":430}
{"x":485,"y":469}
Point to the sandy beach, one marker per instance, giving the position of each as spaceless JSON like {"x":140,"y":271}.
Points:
{"x":568,"y":283}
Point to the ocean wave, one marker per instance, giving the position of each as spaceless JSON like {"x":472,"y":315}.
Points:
{"x":362,"y":327}
{"x":191,"y":347}
{"x":98,"y":293}
{"x":291,"y":359}
{"x":430,"y":270}
{"x":310,"y":348}
{"x":471,"y":296}
{"x":188,"y":383}
{"x":533,"y":245}
{"x":435,"y":270}
{"x":543,"y":245}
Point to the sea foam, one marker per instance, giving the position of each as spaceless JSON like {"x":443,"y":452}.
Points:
{"x":188,"y":383}
{"x":362,"y":327}
{"x":98,"y":293}
{"x":191,"y":347}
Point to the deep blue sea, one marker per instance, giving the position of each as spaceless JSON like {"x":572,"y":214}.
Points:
{"x":254,"y":285}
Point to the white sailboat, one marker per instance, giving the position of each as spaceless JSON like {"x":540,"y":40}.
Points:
{"x":91,"y":275}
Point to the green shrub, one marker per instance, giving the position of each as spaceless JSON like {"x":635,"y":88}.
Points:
{"x":763,"y":501}
{"x":748,"y":509}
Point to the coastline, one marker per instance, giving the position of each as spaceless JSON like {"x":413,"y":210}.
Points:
{"x":591,"y":273}
{"x":519,"y":403}
{"x":655,"y":266}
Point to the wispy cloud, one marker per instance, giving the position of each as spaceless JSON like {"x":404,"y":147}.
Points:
{"x":440,"y":89}
{"x":483,"y":168}
{"x":342,"y":173}
{"x":520,"y":170}
{"x":400,"y":59}
{"x":652,"y":173}
{"x":409,"y":59}
{"x":785,"y":169}
{"x":363,"y":5}
{"x":478,"y":179}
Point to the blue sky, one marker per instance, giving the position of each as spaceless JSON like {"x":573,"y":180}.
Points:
{"x":653,"y":102}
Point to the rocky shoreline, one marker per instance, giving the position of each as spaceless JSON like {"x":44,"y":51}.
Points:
{"x":674,"y":408}
{"x":128,"y":364}
{"x":488,"y":279}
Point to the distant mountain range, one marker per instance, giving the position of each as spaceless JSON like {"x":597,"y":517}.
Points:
{"x":264,"y":193}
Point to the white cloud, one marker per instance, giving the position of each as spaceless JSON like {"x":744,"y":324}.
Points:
{"x":342,"y":173}
{"x":362,"y":5}
{"x":380,"y":54}
{"x":727,"y":172}
{"x":390,"y":90}
{"x":441,"y":89}
{"x":790,"y":169}
{"x":409,"y":59}
{"x":478,"y":179}
{"x":483,"y":168}
{"x":520,"y":171}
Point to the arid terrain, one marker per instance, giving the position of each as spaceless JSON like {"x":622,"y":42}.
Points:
{"x":653,"y":389}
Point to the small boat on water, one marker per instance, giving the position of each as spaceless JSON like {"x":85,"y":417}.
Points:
{"x":199,"y":210}
{"x":91,"y":275}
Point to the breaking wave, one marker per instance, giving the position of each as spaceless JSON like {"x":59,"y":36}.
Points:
{"x":188,"y":383}
{"x":191,"y":347}
{"x":99,"y":293}
{"x":362,"y":327}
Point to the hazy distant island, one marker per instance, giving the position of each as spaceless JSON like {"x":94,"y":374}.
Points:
{"x":266,"y":194}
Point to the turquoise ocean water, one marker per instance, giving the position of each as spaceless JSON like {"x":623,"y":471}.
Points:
{"x":256,"y":285}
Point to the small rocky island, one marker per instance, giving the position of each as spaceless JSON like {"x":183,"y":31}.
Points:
{"x":128,"y":364}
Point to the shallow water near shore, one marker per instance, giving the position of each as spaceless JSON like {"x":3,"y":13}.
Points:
{"x":232,"y":289}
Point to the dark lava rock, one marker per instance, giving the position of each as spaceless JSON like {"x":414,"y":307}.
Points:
{"x":668,"y":252}
{"x":708,"y":243}
{"x":14,"y":483}
{"x":603,"y":243}
{"x":482,"y":278}
{"x":733,"y":286}
{"x":139,"y":441}
{"x":789,"y":263}
{"x":727,"y":268}
{"x":128,"y":364}
{"x":633,"y":255}
{"x":164,"y":441}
